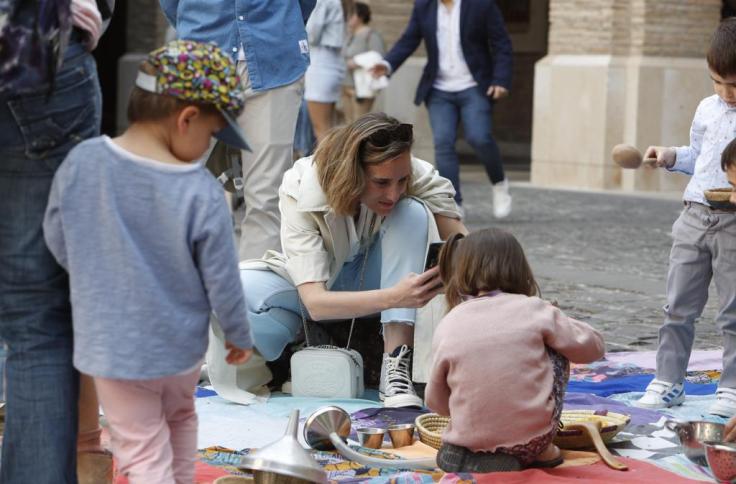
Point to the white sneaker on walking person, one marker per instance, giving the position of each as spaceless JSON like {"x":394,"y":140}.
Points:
{"x":661,"y":394}
{"x":501,"y":199}
{"x":725,"y":405}
{"x":395,"y":388}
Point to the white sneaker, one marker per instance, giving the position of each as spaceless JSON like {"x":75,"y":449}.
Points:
{"x":396,"y":380}
{"x":662,"y":394}
{"x":382,"y":381}
{"x":501,"y":199}
{"x":725,"y":405}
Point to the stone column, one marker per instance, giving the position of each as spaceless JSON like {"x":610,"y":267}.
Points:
{"x":146,"y":30}
{"x":618,"y":71}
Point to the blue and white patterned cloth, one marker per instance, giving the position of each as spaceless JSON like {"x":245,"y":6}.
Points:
{"x":714,"y":126}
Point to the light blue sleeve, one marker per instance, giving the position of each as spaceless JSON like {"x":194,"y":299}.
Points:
{"x":688,"y":155}
{"x":170,"y":8}
{"x":217,"y":262}
{"x":53,"y":229}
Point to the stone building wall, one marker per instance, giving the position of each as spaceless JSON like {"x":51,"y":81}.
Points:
{"x":618,"y":71}
{"x":675,"y":28}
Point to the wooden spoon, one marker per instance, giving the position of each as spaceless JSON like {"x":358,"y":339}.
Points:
{"x":626,"y":156}
{"x":594,"y":431}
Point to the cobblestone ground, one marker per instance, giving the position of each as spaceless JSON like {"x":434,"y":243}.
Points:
{"x":602,"y":256}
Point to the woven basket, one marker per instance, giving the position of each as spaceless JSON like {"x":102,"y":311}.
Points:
{"x":611,"y":424}
{"x":430,"y":427}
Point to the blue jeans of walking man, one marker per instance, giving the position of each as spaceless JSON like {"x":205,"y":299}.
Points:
{"x":471,"y":107}
{"x":37,"y":130}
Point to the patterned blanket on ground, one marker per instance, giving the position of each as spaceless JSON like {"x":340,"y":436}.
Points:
{"x":610,"y":384}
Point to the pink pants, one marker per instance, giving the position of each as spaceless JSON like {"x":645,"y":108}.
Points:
{"x":153,"y":427}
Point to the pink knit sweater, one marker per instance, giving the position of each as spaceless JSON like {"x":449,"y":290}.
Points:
{"x":491,"y":373}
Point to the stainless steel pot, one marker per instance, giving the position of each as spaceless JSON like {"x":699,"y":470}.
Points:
{"x":693,"y":434}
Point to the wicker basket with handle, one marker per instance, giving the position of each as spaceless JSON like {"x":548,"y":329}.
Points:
{"x":430,"y":427}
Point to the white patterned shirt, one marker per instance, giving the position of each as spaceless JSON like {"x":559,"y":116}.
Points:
{"x":714,"y":126}
{"x":453,"y":74}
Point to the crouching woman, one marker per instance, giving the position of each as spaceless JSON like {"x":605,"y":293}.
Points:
{"x":356,"y":219}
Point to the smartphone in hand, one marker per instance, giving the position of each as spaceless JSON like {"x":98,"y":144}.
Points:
{"x":433,"y":255}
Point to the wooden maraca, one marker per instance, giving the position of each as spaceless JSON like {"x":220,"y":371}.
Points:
{"x":626,"y":156}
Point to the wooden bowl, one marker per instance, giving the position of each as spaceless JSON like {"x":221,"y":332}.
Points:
{"x":720,"y":198}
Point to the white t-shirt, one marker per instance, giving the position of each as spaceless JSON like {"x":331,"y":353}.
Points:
{"x":453,"y":74}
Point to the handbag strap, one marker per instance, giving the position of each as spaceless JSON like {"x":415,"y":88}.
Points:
{"x":360,"y":288}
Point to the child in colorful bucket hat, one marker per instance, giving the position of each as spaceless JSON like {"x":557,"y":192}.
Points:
{"x":160,"y":232}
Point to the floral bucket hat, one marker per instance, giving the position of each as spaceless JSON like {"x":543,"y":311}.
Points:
{"x":202,"y":73}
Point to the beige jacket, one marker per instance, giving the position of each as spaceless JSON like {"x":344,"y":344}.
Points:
{"x":315,"y":240}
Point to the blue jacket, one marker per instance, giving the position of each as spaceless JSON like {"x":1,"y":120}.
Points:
{"x":271,"y":32}
{"x":483,"y":37}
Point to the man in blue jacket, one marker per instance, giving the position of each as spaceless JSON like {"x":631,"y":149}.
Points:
{"x":269,"y":41}
{"x":468,"y":68}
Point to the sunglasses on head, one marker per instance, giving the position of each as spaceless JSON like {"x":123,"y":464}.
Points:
{"x":403,"y":132}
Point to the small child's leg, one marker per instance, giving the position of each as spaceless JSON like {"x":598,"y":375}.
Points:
{"x":724,"y":276}
{"x":688,"y":279}
{"x":140,"y":434}
{"x":178,"y":406}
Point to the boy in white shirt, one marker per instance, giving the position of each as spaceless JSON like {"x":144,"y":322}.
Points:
{"x":704,"y":238}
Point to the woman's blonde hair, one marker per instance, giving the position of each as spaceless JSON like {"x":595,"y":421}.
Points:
{"x":484,"y":261}
{"x":340,"y":156}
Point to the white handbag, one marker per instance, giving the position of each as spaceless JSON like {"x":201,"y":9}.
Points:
{"x":328,"y":371}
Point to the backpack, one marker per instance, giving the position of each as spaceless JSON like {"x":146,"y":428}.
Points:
{"x":32,"y":42}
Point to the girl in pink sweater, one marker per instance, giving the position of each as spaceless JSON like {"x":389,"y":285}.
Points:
{"x":501,"y":358}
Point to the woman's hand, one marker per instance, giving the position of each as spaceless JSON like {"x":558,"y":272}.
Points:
{"x":237,"y":356}
{"x":416,"y":290}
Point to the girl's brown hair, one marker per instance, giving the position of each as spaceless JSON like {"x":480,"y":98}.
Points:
{"x":484,"y":261}
{"x":340,"y":156}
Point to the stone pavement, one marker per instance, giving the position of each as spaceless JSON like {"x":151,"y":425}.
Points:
{"x":602,"y":256}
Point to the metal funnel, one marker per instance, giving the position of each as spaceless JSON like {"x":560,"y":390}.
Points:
{"x":328,"y":428}
{"x":284,"y":460}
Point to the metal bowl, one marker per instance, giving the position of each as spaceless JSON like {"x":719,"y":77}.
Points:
{"x":693,"y":434}
{"x":401,"y":435}
{"x":371,"y":437}
{"x":721,"y":457}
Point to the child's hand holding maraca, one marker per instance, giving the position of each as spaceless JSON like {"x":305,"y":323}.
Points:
{"x":665,"y":156}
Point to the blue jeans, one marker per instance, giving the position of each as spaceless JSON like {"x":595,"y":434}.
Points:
{"x":36,"y":133}
{"x":398,"y":249}
{"x":474,"y":109}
